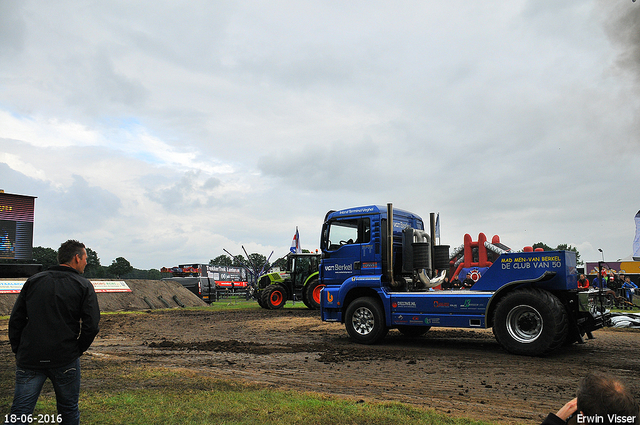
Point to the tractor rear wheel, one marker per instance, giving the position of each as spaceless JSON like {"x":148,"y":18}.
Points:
{"x":274,"y":297}
{"x":365,"y":321}
{"x":530,"y":322}
{"x":312,"y":293}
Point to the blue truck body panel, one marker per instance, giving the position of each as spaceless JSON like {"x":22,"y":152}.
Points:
{"x":549,"y":270}
{"x":522,"y":266}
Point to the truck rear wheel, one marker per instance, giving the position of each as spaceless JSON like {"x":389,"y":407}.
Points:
{"x":365,"y":322}
{"x":312,"y":292}
{"x":274,"y":297}
{"x":530,"y":322}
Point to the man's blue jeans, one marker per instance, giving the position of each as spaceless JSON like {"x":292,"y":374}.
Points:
{"x":66,"y":383}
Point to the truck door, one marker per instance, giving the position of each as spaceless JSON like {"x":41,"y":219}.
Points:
{"x":346,"y":243}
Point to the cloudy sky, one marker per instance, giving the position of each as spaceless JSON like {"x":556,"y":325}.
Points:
{"x":165,"y":132}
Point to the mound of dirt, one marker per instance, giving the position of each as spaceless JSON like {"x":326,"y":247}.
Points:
{"x":145,"y":294}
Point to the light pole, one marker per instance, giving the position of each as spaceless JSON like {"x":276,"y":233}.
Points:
{"x":601,"y":252}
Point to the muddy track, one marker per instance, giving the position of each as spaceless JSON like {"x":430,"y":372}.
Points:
{"x":459,"y":372}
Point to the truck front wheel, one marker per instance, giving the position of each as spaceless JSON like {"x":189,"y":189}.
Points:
{"x":530,"y":322}
{"x":365,"y":322}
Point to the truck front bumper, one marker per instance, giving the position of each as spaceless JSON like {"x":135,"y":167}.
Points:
{"x":330,"y":308}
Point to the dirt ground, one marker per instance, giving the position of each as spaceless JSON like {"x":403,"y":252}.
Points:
{"x":458,"y":372}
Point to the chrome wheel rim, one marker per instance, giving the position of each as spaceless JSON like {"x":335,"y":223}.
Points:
{"x":524,"y":324}
{"x":363,"y":321}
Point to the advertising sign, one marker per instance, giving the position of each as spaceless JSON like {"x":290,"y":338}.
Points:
{"x":100,"y":286}
{"x":16,"y":226}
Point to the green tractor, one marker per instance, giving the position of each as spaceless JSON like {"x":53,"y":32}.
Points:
{"x":299,"y":282}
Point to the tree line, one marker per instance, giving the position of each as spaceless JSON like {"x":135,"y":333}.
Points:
{"x":561,"y":247}
{"x":119,"y":268}
{"x":255,"y":261}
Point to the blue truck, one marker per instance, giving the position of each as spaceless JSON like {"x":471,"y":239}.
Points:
{"x":380,"y":271}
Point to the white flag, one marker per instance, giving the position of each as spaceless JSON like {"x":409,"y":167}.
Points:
{"x":295,"y":243}
{"x":636,"y":241}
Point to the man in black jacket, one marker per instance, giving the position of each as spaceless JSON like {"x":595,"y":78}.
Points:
{"x":53,"y":321}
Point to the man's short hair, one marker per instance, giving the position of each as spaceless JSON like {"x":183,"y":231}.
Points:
{"x":601,"y":395}
{"x":68,"y":250}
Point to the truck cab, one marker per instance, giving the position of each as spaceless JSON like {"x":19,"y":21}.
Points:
{"x":354,"y":242}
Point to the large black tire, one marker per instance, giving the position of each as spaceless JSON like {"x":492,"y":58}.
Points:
{"x":365,"y":321}
{"x":259,"y":299}
{"x":305,"y":300}
{"x":413,"y":331}
{"x":274,"y":297}
{"x":530,"y":322}
{"x":312,"y":293}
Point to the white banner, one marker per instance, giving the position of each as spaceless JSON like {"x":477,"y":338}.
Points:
{"x":11,"y":286}
{"x":110,"y":286}
{"x":101,"y":286}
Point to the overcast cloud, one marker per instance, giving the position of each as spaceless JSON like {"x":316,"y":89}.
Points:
{"x":165,"y":133}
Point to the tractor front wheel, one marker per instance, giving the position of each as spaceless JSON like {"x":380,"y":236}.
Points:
{"x":259,"y":299}
{"x":312,"y":293}
{"x":274,"y":297}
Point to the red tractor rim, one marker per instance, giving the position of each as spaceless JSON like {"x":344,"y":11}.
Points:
{"x":276,"y":297}
{"x":316,"y":293}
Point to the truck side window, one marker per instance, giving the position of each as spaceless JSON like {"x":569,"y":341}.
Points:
{"x":347,"y":232}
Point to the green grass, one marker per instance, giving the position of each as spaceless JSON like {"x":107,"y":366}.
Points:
{"x":618,"y":310}
{"x":168,"y":396}
{"x":240,"y":303}
{"x":236,"y":303}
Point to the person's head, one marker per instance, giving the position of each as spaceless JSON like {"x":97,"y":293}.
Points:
{"x":602,"y":396}
{"x":73,"y":254}
{"x":582,"y":277}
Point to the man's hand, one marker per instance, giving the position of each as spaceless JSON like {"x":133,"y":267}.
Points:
{"x":568,"y":409}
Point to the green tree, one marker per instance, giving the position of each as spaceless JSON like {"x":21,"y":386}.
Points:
{"x":119,"y":267}
{"x":46,"y":256}
{"x":94,"y":268}
{"x":257,"y":261}
{"x":565,"y":247}
{"x":281,"y":263}
{"x":155,"y":274}
{"x":544,"y":246}
{"x":221,"y":260}
{"x":561,"y":247}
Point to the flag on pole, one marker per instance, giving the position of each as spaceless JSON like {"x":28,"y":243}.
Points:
{"x":295,"y":243}
{"x":438,"y":226}
{"x":636,"y":241}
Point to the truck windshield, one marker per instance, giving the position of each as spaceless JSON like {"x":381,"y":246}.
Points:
{"x":346,"y":232}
